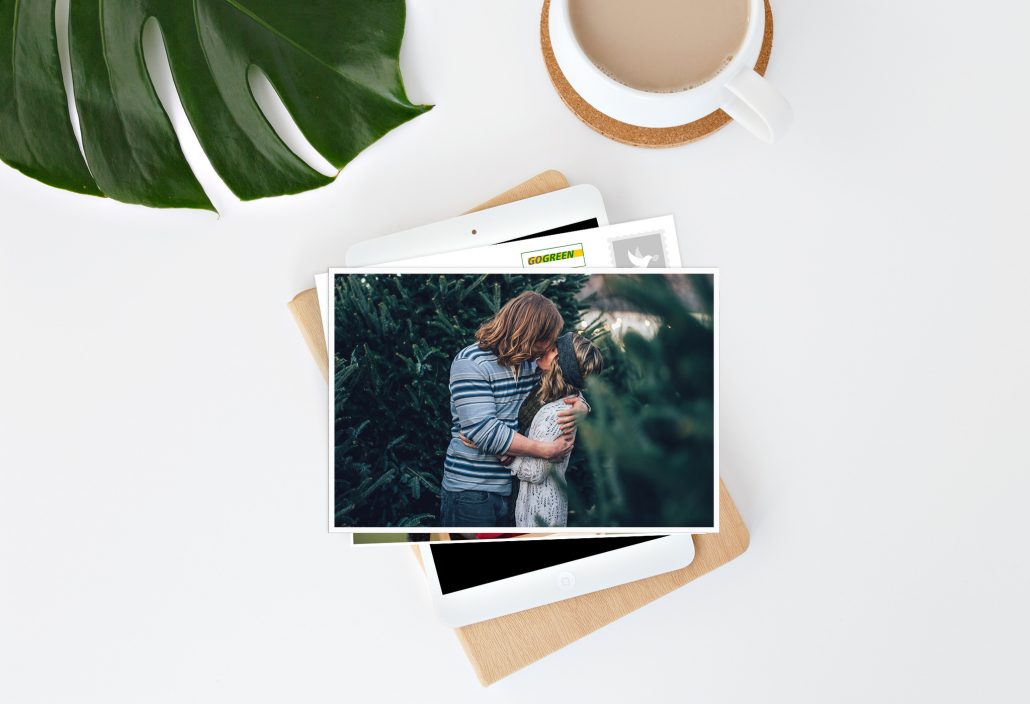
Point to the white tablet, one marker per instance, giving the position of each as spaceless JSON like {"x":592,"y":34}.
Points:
{"x":565,"y":210}
{"x":475,"y":581}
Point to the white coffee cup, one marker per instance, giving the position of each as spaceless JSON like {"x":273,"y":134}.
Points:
{"x":737,"y":89}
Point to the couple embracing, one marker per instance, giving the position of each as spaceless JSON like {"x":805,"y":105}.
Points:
{"x":515,"y":396}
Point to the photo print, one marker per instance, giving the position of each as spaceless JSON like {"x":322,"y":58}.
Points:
{"x":492,"y":404}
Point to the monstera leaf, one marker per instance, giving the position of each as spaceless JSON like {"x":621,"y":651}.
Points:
{"x":334,"y":64}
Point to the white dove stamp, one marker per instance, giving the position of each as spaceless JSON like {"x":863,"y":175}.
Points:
{"x":639,"y":260}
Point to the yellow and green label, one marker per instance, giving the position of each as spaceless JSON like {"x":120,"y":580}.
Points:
{"x":567,"y":255}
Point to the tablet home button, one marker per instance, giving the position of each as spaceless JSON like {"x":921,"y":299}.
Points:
{"x":566,"y":580}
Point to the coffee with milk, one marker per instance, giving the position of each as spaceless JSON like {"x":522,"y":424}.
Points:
{"x":661,"y":46}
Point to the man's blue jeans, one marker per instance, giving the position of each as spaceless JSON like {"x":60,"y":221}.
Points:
{"x":473,"y":509}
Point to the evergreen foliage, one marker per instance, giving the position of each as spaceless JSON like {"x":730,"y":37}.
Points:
{"x":649,"y":436}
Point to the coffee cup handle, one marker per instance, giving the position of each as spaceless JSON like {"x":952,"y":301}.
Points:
{"x":758,"y":106}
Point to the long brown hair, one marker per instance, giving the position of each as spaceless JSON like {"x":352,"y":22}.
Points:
{"x":519,"y":326}
{"x":553,"y":385}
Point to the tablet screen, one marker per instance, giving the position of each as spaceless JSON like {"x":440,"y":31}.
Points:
{"x":562,"y":229}
{"x":472,"y":564}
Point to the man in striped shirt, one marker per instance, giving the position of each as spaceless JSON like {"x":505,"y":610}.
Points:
{"x":489,"y":381}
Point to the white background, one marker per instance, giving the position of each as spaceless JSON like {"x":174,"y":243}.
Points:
{"x":163,"y":428}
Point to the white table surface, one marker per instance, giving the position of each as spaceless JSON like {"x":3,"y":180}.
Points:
{"x":163,"y":432}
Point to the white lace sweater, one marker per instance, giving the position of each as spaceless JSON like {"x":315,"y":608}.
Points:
{"x":542,"y":501}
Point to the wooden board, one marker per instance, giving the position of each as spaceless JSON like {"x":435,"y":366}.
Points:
{"x":501,"y":646}
{"x":305,"y":309}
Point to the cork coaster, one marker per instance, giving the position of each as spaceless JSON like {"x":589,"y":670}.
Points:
{"x":632,"y":134}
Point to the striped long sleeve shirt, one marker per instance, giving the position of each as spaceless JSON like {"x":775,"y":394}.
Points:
{"x":485,"y":400}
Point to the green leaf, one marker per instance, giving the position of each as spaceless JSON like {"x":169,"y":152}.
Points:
{"x":334,"y":64}
{"x":35,"y":133}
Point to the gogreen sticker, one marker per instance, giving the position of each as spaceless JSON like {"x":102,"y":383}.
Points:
{"x":566,"y":255}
